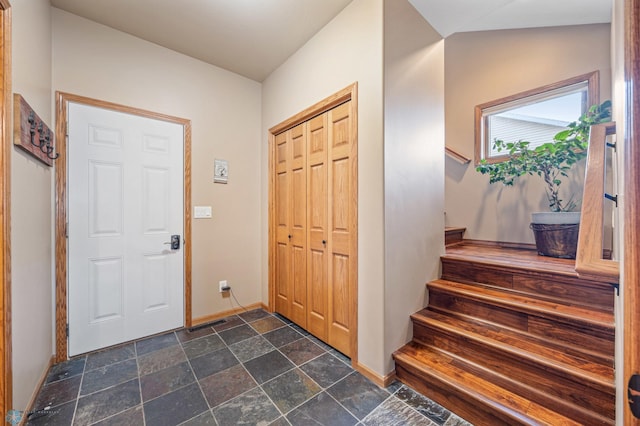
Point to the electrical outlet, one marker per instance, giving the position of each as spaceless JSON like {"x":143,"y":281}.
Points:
{"x":224,"y":286}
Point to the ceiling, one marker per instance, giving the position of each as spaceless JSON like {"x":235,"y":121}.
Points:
{"x":253,"y":37}
{"x":451,"y":16}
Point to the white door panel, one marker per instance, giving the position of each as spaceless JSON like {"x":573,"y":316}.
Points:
{"x":125,"y":201}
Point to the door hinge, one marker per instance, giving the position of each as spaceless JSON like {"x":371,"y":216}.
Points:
{"x":67,"y":330}
{"x":66,"y":230}
{"x":66,"y":128}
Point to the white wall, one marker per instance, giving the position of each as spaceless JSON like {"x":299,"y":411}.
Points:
{"x":347,"y":50}
{"x":98,"y":62}
{"x":31,"y":207}
{"x":413,"y":164}
{"x":488,"y":65}
{"x":619,"y":94}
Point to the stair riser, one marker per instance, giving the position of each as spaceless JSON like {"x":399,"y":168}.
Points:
{"x":569,"y":350}
{"x":551,"y":385}
{"x":550,"y":328}
{"x":473,"y":410}
{"x":549,"y":286}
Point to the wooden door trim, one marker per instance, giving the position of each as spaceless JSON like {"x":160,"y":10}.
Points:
{"x":6,"y":371}
{"x":62,"y":101}
{"x":631,"y":289}
{"x":349,"y":93}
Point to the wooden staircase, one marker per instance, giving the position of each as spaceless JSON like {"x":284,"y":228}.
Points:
{"x":513,"y":338}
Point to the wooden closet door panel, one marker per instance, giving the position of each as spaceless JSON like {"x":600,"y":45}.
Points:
{"x":341,"y":201}
{"x":317,"y":321}
{"x":282,"y":212}
{"x":298,"y":226}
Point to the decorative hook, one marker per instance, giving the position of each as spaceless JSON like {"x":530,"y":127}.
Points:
{"x":32,"y":127}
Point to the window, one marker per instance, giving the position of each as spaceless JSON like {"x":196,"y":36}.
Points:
{"x":535,"y":116}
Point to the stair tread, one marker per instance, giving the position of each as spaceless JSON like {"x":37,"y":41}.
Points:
{"x":431,"y":363}
{"x":594,"y":318}
{"x":551,"y":355}
{"x":514,"y":258}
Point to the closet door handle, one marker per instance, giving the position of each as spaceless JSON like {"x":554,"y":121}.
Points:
{"x":290,"y":236}
{"x":324,"y":242}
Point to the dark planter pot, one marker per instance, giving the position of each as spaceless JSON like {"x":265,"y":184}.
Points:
{"x":556,"y":240}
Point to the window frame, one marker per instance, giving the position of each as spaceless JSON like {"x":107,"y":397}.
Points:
{"x":482,"y":148}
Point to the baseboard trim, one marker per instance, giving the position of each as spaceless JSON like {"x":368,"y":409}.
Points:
{"x":36,"y":391}
{"x":382,"y":381}
{"x":209,"y":318}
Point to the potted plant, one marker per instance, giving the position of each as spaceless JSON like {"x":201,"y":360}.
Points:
{"x":556,"y":232}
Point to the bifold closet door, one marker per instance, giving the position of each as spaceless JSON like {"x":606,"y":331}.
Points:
{"x":316,"y":217}
{"x":342,"y":219}
{"x":317,"y":318}
{"x":291,"y":199}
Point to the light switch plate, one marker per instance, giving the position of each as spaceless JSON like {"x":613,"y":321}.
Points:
{"x":202,"y":212}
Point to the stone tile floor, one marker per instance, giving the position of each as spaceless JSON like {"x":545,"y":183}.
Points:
{"x":253,"y":368}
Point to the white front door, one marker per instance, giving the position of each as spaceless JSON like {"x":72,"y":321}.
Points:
{"x":125,"y":192}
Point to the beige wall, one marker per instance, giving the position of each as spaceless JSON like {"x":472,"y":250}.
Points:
{"x":413,"y":166}
{"x":347,"y":50}
{"x":31,"y":208}
{"x":483,"y":66}
{"x":98,"y":62}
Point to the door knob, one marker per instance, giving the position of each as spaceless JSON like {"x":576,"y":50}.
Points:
{"x":174,"y":243}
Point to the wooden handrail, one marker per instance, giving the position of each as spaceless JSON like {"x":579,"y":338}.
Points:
{"x":456,"y":155}
{"x":589,"y":261}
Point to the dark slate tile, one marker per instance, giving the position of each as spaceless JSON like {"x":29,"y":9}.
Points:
{"x":60,"y":415}
{"x":229,"y":322}
{"x":251,"y":348}
{"x":395,"y":412}
{"x":160,"y":359}
{"x":268,"y":366}
{"x":457,"y":421}
{"x":326,"y":370}
{"x":251,"y":408}
{"x":358,"y":395}
{"x":291,"y":389}
{"x":198,"y":347}
{"x":320,"y":343}
{"x":185,"y":335}
{"x":106,"y":403}
{"x":154,"y":343}
{"x":342,"y":357}
{"x":321,"y":410}
{"x":237,"y":334}
{"x":283,"y":319}
{"x":167,"y":380}
{"x":66,"y":369}
{"x":110,"y":356}
{"x":299,"y":329}
{"x":423,"y":405}
{"x":213,"y":362}
{"x":301,"y":351}
{"x":394,"y":386}
{"x":282,"y":336}
{"x":204,"y":419}
{"x":267,"y":324}
{"x":109,"y":375}
{"x":57,"y":393}
{"x":133,"y":416}
{"x":175,"y":407}
{"x":226,"y":385}
{"x":280,"y":421}
{"x":254,"y":315}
